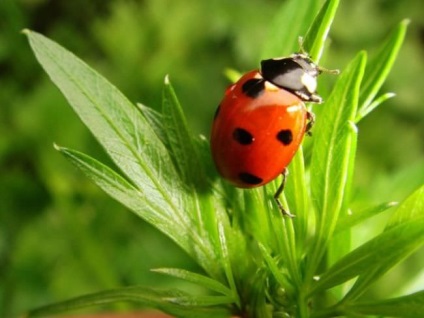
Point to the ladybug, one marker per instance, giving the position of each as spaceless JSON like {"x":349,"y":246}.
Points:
{"x":260,"y":123}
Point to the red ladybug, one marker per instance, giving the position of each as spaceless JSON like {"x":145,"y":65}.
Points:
{"x":260,"y":123}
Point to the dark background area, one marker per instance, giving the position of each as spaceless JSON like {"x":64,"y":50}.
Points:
{"x":60,"y":236}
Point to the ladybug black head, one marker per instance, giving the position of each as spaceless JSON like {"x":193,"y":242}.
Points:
{"x":297,"y":74}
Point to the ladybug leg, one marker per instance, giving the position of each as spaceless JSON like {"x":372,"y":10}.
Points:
{"x":278,"y":193}
{"x":310,"y":117}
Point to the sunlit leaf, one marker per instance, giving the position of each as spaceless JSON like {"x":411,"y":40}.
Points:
{"x":132,"y":142}
{"x":173,"y":302}
{"x":332,"y":156}
{"x":318,"y":32}
{"x":180,"y":138}
{"x":354,"y":218}
{"x":410,"y":209}
{"x":195,"y":278}
{"x":374,"y":257}
{"x":378,"y":69}
{"x":410,"y":306}
{"x":296,"y":16}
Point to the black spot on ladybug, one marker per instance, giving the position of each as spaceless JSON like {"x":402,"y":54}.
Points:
{"x":249,"y":178}
{"x":217,"y":112}
{"x":285,"y":136}
{"x":253,"y":87}
{"x":242,"y":136}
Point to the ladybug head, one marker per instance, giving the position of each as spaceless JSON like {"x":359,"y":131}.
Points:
{"x":297,"y":74}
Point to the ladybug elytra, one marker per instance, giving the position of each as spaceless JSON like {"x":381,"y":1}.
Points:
{"x":260,"y":123}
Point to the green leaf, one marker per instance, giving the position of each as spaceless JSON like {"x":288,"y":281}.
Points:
{"x":375,"y":103}
{"x":271,"y":229}
{"x":374,"y":258}
{"x":114,"y":121}
{"x":298,"y":198}
{"x":145,"y":206}
{"x":259,"y":219}
{"x":199,"y":301}
{"x":226,"y":262}
{"x":410,"y":209}
{"x":317,"y":34}
{"x":296,"y":16}
{"x":275,"y":270}
{"x":195,"y":278}
{"x":378,"y":69}
{"x":332,"y":157}
{"x":186,"y":156}
{"x":117,"y":187}
{"x":179,"y":138}
{"x":354,"y":218}
{"x":339,"y":246}
{"x":410,"y":306}
{"x":173,"y":302}
{"x":133,"y":143}
{"x":154,"y":119}
{"x":296,"y":191}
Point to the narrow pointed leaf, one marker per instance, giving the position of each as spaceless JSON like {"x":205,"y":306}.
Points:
{"x":297,"y":16}
{"x":295,"y":191}
{"x":375,"y":256}
{"x":155,"y":121}
{"x":186,"y":158}
{"x":332,"y":156}
{"x":410,"y":209}
{"x":200,"y":301}
{"x":195,"y":278}
{"x":117,"y":187}
{"x":318,"y":32}
{"x":160,"y":299}
{"x":130,"y":140}
{"x":410,"y":306}
{"x":355,"y":218}
{"x":297,"y":196}
{"x":147,"y":207}
{"x":226,"y":262}
{"x":379,"y":67}
{"x":375,"y":103}
{"x":179,"y":138}
{"x":275,"y":270}
{"x":113,"y":120}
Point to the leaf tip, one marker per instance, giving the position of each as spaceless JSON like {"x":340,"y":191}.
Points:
{"x":26,"y":31}
{"x":157,"y":270}
{"x":57,"y":147}
{"x":405,"y":22}
{"x":363,"y":54}
{"x":166,"y":80}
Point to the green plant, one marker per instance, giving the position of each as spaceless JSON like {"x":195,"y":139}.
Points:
{"x":256,"y":263}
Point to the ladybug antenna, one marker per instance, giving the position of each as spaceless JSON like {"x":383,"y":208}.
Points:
{"x":301,"y":47}
{"x":326,"y":70}
{"x":320,"y":68}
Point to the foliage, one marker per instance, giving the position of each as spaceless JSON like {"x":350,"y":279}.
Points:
{"x":60,"y":236}
{"x":255,"y":262}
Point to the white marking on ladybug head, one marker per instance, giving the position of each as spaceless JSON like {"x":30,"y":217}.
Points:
{"x":310,"y":82}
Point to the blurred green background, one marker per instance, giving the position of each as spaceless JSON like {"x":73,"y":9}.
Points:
{"x":60,"y":236}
